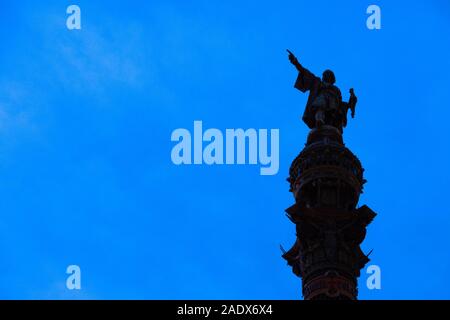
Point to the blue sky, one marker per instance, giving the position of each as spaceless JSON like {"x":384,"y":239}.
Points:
{"x":86,"y":117}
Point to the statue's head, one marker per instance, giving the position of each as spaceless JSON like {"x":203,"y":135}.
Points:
{"x":328,"y":77}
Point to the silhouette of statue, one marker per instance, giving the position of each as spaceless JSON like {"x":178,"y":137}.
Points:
{"x":324,"y":105}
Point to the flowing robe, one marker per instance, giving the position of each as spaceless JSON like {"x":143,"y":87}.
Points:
{"x":329,"y":94}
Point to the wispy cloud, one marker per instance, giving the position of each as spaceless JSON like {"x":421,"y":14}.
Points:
{"x":15,"y":113}
{"x":95,"y":59}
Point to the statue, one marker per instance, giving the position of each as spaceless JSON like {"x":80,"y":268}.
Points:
{"x":325,"y":105}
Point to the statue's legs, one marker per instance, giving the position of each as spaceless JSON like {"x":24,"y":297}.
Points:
{"x":319,"y":106}
{"x":320,"y":118}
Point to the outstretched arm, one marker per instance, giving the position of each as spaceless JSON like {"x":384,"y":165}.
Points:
{"x":306,"y":80}
{"x":293,"y":59}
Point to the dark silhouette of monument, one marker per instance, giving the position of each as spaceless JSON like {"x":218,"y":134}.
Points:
{"x":326,"y":180}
